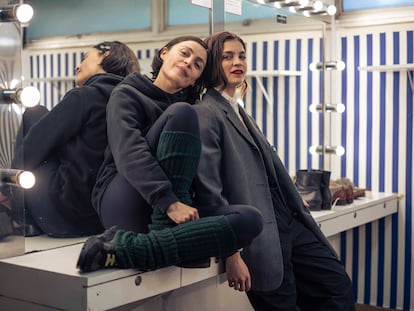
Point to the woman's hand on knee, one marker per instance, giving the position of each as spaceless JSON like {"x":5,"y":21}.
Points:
{"x":181,"y":213}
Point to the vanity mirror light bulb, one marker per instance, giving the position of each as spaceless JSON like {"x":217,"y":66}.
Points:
{"x":24,"y":179}
{"x":24,"y":13}
{"x":30,"y":96}
{"x":339,"y":151}
{"x":317,"y":5}
{"x":340,"y":65}
{"x":331,"y":10}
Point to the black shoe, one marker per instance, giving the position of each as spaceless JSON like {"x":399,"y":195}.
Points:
{"x":98,"y":252}
{"x":27,"y":230}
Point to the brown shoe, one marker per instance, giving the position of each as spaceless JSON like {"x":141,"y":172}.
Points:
{"x":338,"y":193}
{"x":357,"y":192}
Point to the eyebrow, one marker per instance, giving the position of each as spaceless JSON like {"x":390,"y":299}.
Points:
{"x":192,"y":51}
{"x":234,"y":52}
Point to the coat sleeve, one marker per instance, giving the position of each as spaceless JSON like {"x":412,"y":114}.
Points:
{"x":54,"y":129}
{"x":208,"y":182}
{"x":133,"y":158}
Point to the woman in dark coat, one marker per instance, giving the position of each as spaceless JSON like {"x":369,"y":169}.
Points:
{"x":64,"y":147}
{"x":291,"y":264}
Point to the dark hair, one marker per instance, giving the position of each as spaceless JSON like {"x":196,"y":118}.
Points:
{"x":121,"y":60}
{"x":195,"y":90}
{"x":215,"y":44}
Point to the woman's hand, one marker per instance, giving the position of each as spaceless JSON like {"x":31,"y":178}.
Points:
{"x":238,"y":274}
{"x":181,"y":213}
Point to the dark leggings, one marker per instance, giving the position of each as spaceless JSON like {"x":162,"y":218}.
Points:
{"x":245,"y":220}
{"x":121,"y":204}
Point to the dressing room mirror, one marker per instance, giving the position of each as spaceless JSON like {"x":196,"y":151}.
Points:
{"x":11,"y":201}
{"x":256,"y":16}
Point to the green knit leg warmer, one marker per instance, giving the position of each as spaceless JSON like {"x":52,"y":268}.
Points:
{"x":178,"y":154}
{"x":194,"y":240}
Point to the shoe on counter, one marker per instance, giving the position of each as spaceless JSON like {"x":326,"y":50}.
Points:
{"x":338,"y":193}
{"x":356,"y":191}
{"x":98,"y":252}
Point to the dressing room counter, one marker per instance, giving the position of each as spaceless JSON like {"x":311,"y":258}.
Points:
{"x":362,"y":211}
{"x":49,"y":280}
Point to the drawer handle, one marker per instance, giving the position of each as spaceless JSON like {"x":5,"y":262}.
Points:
{"x":355,"y":214}
{"x":138,"y":280}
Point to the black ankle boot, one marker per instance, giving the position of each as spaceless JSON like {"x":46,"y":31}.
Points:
{"x":308,"y":183}
{"x":325,"y":192}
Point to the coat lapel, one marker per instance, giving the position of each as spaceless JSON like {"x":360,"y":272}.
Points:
{"x":232,"y":116}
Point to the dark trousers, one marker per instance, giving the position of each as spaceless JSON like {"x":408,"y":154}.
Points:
{"x":313,"y":279}
{"x":121,"y":204}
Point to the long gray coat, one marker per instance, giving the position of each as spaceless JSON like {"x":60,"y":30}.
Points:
{"x":234,"y":169}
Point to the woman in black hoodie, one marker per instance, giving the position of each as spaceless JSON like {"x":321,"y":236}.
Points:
{"x":64,"y":147}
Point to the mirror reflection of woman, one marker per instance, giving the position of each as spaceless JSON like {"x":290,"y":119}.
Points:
{"x":64,"y":147}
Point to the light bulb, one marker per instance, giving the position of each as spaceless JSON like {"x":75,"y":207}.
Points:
{"x":340,"y":65}
{"x":340,"y":108}
{"x":312,"y":66}
{"x":340,"y":151}
{"x":14,"y":177}
{"x":312,"y":150}
{"x":313,"y":108}
{"x":26,"y":179}
{"x":331,"y":10}
{"x":317,"y":5}
{"x":30,"y":96}
{"x":24,"y":13}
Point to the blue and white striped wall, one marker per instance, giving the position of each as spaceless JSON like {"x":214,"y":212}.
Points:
{"x":376,"y":130}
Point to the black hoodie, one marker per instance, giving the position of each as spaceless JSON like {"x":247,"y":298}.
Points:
{"x":74,"y":132}
{"x":134,"y":106}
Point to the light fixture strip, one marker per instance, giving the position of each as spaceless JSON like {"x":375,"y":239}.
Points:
{"x":306,"y":7}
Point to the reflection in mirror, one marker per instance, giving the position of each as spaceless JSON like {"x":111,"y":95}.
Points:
{"x":11,"y":212}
